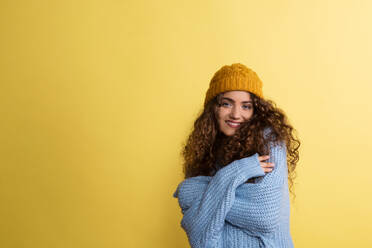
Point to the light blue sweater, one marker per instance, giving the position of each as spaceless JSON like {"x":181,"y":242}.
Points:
{"x":223,"y":211}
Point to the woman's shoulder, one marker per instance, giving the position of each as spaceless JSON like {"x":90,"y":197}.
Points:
{"x":271,"y":137}
{"x":268,"y":130}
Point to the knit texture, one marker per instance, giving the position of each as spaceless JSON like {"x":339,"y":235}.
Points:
{"x":233,"y":77}
{"x":223,"y":211}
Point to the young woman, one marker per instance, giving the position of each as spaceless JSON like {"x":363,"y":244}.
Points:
{"x":237,"y":162}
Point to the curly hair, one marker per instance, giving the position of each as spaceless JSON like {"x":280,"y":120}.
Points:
{"x":206,"y":144}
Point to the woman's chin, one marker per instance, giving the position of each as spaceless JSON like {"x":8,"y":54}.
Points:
{"x":228,"y":133}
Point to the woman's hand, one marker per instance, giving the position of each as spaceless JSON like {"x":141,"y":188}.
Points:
{"x":267,"y":167}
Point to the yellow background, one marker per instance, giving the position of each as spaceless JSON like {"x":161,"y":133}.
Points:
{"x":98,"y":96}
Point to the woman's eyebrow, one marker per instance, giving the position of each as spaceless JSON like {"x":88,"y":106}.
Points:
{"x":231,"y":100}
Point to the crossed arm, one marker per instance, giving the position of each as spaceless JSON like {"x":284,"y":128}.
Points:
{"x":207,"y":202}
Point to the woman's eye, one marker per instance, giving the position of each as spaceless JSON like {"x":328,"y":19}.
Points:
{"x":247,"y":106}
{"x":225,"y":104}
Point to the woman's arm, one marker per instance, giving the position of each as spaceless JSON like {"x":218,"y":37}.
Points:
{"x":257,"y":206}
{"x":205,"y":210}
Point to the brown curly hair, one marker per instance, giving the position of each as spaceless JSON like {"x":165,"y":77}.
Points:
{"x":206,"y":144}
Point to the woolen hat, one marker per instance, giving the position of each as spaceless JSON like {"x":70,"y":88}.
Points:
{"x":234,"y":77}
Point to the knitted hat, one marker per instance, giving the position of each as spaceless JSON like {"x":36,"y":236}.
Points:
{"x":234,"y":77}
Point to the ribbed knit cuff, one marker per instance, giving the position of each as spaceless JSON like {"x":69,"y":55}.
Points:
{"x":242,"y":169}
{"x":250,"y":167}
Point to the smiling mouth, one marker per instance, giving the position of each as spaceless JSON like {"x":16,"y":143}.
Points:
{"x":233,"y":124}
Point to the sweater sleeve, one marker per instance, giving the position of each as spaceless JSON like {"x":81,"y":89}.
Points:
{"x":257,"y":206}
{"x":204,"y":211}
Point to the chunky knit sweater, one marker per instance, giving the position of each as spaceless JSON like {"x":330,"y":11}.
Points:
{"x":223,"y":211}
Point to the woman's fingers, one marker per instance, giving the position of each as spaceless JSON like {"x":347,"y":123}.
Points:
{"x":266,"y":166}
{"x":264,"y":157}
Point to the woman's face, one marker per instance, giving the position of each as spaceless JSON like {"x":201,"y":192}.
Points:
{"x":236,"y":107}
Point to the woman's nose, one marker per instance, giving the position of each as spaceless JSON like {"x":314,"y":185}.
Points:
{"x":235,"y":113}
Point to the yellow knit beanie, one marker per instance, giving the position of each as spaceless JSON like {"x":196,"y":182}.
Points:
{"x":234,"y":77}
